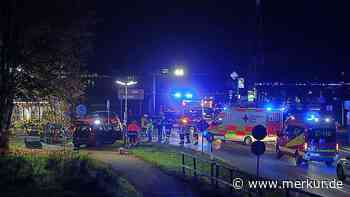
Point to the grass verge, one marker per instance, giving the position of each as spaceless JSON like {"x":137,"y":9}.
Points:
{"x":169,"y":159}
{"x":39,"y":173}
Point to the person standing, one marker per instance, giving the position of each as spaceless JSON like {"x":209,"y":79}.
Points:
{"x":168,"y":126}
{"x":133,"y":130}
{"x":144,"y":124}
{"x":149,"y":130}
{"x":161,"y":129}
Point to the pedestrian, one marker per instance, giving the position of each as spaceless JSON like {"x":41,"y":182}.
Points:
{"x":195,"y":136}
{"x":168,"y":126}
{"x":161,"y":129}
{"x":149,"y":130}
{"x":133,"y":130}
{"x":182,"y":132}
{"x":144,"y":124}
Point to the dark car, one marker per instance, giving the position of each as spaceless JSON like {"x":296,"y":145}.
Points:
{"x":343,"y":168}
{"x":33,"y":140}
{"x":95,"y":135}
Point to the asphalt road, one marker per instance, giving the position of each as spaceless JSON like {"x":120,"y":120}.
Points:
{"x":240,"y":156}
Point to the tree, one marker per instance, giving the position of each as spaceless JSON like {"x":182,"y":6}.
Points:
{"x":43,"y":47}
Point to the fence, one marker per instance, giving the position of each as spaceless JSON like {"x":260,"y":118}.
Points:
{"x":220,"y":175}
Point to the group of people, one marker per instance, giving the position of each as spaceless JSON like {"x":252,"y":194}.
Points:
{"x":164,"y":128}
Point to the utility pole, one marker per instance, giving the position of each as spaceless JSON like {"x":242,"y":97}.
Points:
{"x":259,"y":57}
{"x":154,"y":89}
{"x":126,"y":105}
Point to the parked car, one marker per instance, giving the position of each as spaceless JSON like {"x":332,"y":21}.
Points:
{"x":33,"y":140}
{"x":343,"y":168}
{"x":54,"y":134}
{"x":95,"y":135}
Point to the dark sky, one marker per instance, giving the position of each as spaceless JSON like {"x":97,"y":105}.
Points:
{"x":303,"y":39}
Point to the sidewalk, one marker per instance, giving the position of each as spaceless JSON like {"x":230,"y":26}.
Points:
{"x":147,"y":179}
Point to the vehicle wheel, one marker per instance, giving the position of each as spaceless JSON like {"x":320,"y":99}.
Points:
{"x":247,"y":140}
{"x":279,"y":154}
{"x":340,"y":173}
{"x":298,"y":159}
{"x":329,"y":163}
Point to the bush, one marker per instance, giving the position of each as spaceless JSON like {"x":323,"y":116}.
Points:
{"x":60,"y":173}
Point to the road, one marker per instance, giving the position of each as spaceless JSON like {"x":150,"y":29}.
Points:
{"x":241,"y":157}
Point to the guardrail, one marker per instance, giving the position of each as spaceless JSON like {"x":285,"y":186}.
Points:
{"x":222,"y":176}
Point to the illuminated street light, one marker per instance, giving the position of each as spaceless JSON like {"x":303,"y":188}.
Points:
{"x":130,"y":83}
{"x":126,"y":84}
{"x":179,"y":72}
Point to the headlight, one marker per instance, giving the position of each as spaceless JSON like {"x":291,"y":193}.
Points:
{"x":97,"y":122}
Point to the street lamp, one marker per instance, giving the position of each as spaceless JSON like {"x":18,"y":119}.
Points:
{"x":126,"y":84}
{"x":179,"y":72}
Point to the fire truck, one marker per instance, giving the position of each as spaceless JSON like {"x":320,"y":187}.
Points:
{"x":308,"y":137}
{"x":237,"y":123}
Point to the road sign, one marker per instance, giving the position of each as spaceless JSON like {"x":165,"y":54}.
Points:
{"x":133,"y":94}
{"x":81,"y":110}
{"x":108,"y":105}
{"x":210,"y":137}
{"x":347,"y":105}
{"x":259,"y":132}
{"x":241,"y":83}
{"x":258,"y":148}
{"x":217,"y":144}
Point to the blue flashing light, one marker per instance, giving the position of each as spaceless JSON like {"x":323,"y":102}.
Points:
{"x":283,"y":109}
{"x":269,"y":108}
{"x":205,"y":133}
{"x":188,"y":95}
{"x":313,"y":117}
{"x":225,"y":108}
{"x":178,"y":95}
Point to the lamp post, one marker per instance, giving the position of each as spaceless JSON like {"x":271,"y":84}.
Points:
{"x":177,"y":72}
{"x":126,"y":84}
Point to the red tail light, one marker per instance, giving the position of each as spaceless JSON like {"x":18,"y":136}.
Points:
{"x":305,"y":146}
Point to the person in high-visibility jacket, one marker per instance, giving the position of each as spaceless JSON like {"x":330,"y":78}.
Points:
{"x":133,"y":130}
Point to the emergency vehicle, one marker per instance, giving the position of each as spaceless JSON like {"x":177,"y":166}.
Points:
{"x":308,"y":138}
{"x":237,"y":123}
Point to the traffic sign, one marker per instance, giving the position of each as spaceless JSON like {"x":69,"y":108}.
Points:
{"x":258,"y":148}
{"x":210,"y":137}
{"x":81,"y":110}
{"x":108,"y":105}
{"x":259,"y":132}
{"x":217,"y":144}
{"x":133,"y":94}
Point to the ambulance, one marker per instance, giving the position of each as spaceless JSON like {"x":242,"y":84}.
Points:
{"x":237,"y":123}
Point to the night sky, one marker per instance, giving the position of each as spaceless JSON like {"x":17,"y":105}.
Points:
{"x":303,"y":39}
